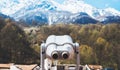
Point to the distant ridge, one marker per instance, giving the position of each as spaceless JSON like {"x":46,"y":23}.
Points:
{"x":38,"y":12}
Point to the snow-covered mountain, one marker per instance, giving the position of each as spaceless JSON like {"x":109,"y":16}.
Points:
{"x":9,"y":7}
{"x":3,"y":16}
{"x":76,"y":6}
{"x":49,"y":11}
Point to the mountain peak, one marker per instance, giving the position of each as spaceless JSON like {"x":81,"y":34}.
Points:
{"x":74,"y":6}
{"x":112,"y":10}
{"x":41,"y":10}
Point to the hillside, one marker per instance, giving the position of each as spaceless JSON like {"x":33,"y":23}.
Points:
{"x":14,"y":46}
{"x":99,"y":43}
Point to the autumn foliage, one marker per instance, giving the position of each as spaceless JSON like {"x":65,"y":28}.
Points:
{"x":99,"y":43}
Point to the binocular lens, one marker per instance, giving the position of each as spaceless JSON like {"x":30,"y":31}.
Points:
{"x":65,"y":55}
{"x":55,"y":55}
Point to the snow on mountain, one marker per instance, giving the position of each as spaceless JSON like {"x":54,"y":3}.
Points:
{"x":3,"y":16}
{"x":112,"y":11}
{"x":112,"y":19}
{"x":76,"y":6}
{"x":39,"y":7}
{"x":9,"y":7}
{"x":34,"y":13}
{"x":47,"y":10}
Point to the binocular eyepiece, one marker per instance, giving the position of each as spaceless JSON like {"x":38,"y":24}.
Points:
{"x":57,"y":55}
{"x":65,"y":55}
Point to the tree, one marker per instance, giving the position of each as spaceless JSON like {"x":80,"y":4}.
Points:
{"x":87,"y":55}
{"x":2,"y":23}
{"x":14,"y":41}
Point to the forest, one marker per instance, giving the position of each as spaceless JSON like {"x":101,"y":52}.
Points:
{"x":14,"y":45}
{"x":99,"y":43}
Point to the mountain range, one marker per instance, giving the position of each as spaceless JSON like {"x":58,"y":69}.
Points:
{"x":51,"y":12}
